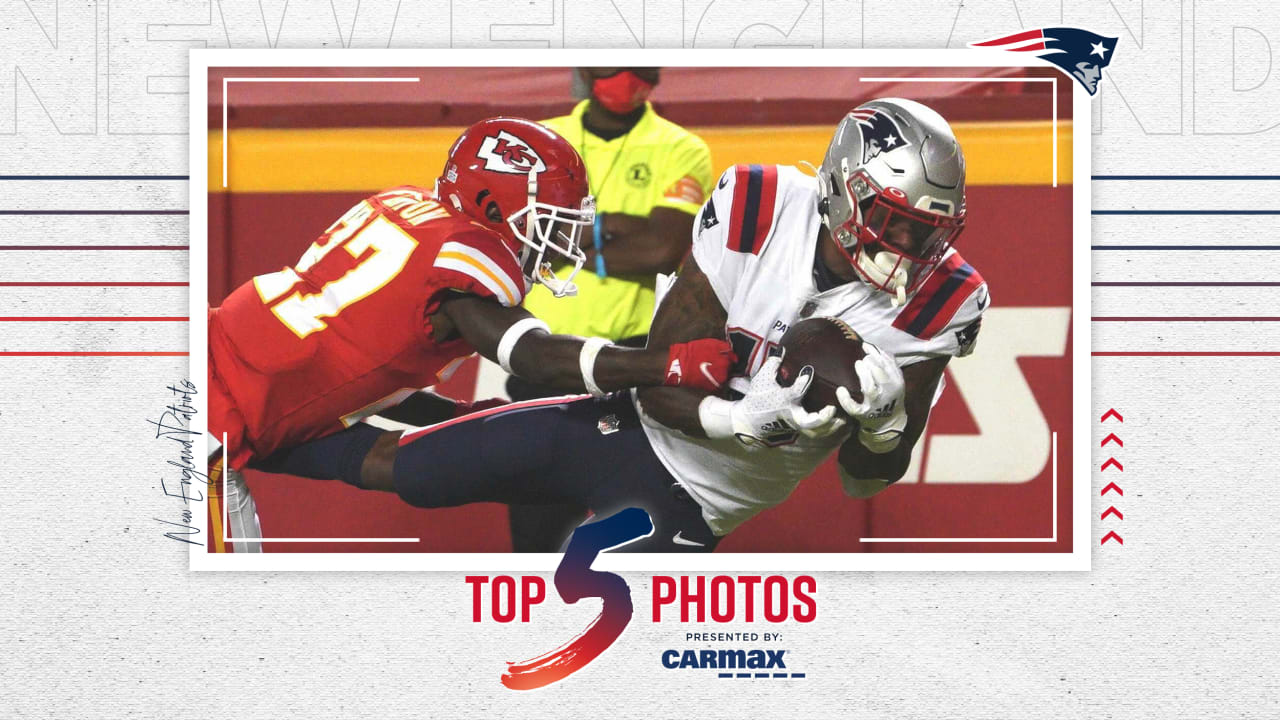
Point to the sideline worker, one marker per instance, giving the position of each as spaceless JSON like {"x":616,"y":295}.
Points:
{"x":649,"y":177}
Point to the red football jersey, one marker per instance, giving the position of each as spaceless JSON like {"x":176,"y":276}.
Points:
{"x":301,"y":353}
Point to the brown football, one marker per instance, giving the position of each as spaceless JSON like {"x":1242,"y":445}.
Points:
{"x":831,"y":347}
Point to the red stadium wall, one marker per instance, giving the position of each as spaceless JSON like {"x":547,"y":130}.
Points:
{"x":1019,"y":238}
{"x":700,"y":97}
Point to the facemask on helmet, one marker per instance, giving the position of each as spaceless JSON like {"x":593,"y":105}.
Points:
{"x":529,"y":185}
{"x":543,"y":227}
{"x":892,"y":193}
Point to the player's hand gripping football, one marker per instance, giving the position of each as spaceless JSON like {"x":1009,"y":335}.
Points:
{"x":767,"y":412}
{"x":701,"y":364}
{"x":881,"y":415}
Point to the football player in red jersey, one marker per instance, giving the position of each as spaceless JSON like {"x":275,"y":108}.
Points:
{"x":408,"y":283}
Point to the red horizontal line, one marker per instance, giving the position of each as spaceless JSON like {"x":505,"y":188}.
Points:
{"x":90,"y":354}
{"x":173,"y":177}
{"x":1234,"y":318}
{"x":1230,"y":353}
{"x":95,"y":247}
{"x":94,"y":212}
{"x":94,"y":284}
{"x":91,"y":318}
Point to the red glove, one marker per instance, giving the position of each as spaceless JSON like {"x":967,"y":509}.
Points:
{"x":701,"y":364}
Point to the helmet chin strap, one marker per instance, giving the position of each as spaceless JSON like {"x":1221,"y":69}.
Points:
{"x":559,"y":288}
{"x":882,"y":270}
{"x":540,"y":271}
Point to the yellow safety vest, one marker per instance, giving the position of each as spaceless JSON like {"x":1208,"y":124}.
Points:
{"x":656,"y":164}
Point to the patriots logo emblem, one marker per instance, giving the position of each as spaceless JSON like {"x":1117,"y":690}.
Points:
{"x":967,"y":336}
{"x":880,"y":133}
{"x":1080,"y":53}
{"x":709,"y":219}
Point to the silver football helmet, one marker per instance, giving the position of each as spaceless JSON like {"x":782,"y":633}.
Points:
{"x":892,"y":192}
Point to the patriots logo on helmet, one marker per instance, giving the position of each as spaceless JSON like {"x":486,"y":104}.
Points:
{"x":1081,"y":53}
{"x":880,"y":133}
{"x":507,"y":153}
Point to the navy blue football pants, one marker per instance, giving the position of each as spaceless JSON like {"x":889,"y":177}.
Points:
{"x":584,"y":450}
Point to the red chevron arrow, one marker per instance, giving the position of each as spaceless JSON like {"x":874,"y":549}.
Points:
{"x":1111,"y":412}
{"x":1113,"y":511}
{"x":1111,"y":536}
{"x":1112,"y":438}
{"x":1110,"y":462}
{"x":1110,"y":487}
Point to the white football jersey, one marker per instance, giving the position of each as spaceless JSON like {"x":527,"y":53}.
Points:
{"x":756,"y":240}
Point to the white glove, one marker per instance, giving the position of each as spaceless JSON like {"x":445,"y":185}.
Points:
{"x":767,"y":410}
{"x":882,"y":415}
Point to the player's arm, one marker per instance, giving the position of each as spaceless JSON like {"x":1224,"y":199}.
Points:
{"x":521,"y":344}
{"x":880,"y":452}
{"x":689,"y":310}
{"x":877,"y":455}
{"x":692,"y":309}
{"x":696,"y":307}
{"x":644,"y":245}
{"x":657,"y":243}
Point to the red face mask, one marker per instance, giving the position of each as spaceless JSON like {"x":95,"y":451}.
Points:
{"x":621,"y":93}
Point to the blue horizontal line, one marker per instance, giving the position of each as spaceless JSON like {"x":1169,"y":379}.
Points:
{"x":1185,"y":212}
{"x":1184,"y":247}
{"x":1185,"y":177}
{"x":759,"y":675}
{"x":728,"y":675}
{"x":95,"y":177}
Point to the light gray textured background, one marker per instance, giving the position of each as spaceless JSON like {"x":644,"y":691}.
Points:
{"x":100,"y":617}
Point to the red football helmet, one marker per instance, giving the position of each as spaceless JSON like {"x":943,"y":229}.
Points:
{"x":528,"y":184}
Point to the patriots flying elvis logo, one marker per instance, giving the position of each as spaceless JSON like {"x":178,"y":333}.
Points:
{"x":1081,"y":53}
{"x":880,"y":133}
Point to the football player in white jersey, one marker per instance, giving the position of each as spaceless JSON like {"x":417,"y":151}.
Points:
{"x":868,"y":241}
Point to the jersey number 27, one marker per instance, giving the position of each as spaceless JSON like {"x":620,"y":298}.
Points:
{"x":357,"y":232}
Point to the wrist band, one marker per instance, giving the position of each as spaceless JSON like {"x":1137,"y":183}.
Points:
{"x":587,"y":363}
{"x":512,"y":336}
{"x":597,"y":239}
{"x":879,"y":443}
{"x":716,"y":416}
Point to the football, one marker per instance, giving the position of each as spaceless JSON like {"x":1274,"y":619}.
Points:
{"x":831,"y":347}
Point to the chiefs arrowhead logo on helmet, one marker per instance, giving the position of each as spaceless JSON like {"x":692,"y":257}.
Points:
{"x":507,"y":153}
{"x":526,"y":183}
